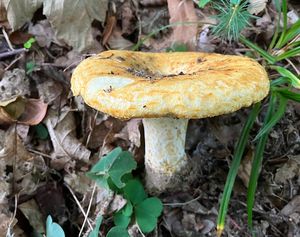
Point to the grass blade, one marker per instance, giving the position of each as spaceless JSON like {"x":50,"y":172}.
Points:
{"x":288,"y":54}
{"x":257,"y":161}
{"x":295,"y":81}
{"x":239,"y":151}
{"x":284,"y":28}
{"x":275,"y":118}
{"x":291,"y":33}
{"x":262,"y":52}
{"x":288,"y":94}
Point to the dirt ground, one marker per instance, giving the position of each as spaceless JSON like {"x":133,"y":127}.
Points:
{"x":51,"y":138}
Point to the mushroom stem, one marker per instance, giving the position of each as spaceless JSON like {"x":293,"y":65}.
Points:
{"x":165,"y":156}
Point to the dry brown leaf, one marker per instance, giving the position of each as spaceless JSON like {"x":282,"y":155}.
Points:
{"x":44,"y":34}
{"x":19,"y":37}
{"x":108,"y":29}
{"x":182,"y":12}
{"x":24,"y":111}
{"x":62,"y":131}
{"x":289,"y":170}
{"x":71,"y":20}
{"x":245,"y":168}
{"x":3,"y":13}
{"x":128,"y":17}
{"x":117,"y":41}
{"x":20,"y":12}
{"x":31,"y":210}
{"x":13,"y":84}
{"x":257,"y":6}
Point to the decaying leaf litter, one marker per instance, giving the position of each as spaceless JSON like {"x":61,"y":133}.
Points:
{"x":45,"y":154}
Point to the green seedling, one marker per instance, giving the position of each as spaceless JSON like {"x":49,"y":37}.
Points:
{"x":113,"y":172}
{"x":30,"y":66}
{"x":28,"y":43}
{"x":53,"y":229}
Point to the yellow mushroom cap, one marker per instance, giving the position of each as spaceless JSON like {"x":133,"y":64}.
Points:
{"x":127,"y":84}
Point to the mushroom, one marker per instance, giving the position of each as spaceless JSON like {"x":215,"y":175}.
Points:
{"x":166,"y":90}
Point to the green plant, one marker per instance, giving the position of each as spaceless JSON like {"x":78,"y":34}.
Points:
{"x":53,"y":229}
{"x":283,"y":46}
{"x":28,"y":43}
{"x":113,"y":172}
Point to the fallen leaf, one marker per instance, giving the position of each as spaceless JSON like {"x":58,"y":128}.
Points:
{"x":289,"y":170}
{"x":20,"y":12}
{"x":44,"y":34}
{"x":182,"y":12}
{"x":245,"y":167}
{"x":71,"y":20}
{"x":3,"y":13}
{"x":13,"y":84}
{"x":117,"y":41}
{"x":257,"y":6}
{"x":31,"y":210}
{"x":128,"y":17}
{"x":24,"y":111}
{"x":292,"y":207}
{"x":111,"y":21}
{"x":62,"y":131}
{"x":19,"y":37}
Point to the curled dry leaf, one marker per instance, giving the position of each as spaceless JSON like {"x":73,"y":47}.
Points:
{"x":24,"y":111}
{"x":62,"y":131}
{"x":183,"y":12}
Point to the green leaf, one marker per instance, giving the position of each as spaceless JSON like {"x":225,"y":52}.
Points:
{"x":117,"y":231}
{"x":123,"y":164}
{"x":53,"y":229}
{"x":30,"y":66}
{"x":147,"y":212}
{"x":259,"y":50}
{"x":28,"y":43}
{"x":123,"y":217}
{"x":288,"y":94}
{"x":41,"y":131}
{"x":114,"y":165}
{"x":289,"y":53}
{"x":295,"y":81}
{"x":291,"y":33}
{"x":234,"y":167}
{"x":95,"y":231}
{"x":275,"y":117}
{"x":202,"y":3}
{"x":134,"y":191}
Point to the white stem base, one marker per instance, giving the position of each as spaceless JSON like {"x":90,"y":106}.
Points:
{"x":165,"y":158}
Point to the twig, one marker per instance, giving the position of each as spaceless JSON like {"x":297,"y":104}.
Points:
{"x":79,"y":205}
{"x":13,"y":52}
{"x":13,"y":217}
{"x":182,"y":203}
{"x":7,"y":39}
{"x":92,"y":129}
{"x":13,"y":62}
{"x":88,"y":210}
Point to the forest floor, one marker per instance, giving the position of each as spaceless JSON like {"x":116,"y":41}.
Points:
{"x":49,"y":139}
